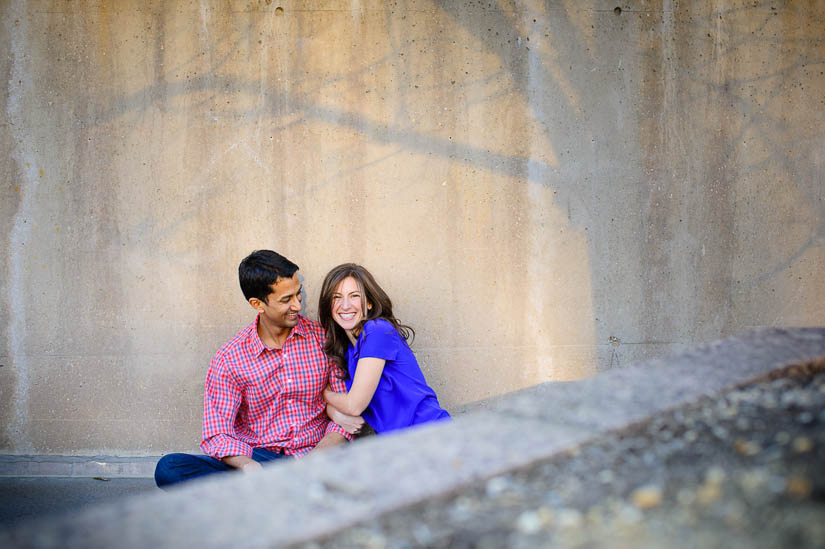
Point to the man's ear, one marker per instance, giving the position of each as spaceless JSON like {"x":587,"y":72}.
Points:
{"x":257,"y":304}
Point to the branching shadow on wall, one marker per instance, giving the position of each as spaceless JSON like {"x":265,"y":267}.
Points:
{"x":222,"y":81}
{"x":741,"y":75}
{"x":499,"y":30}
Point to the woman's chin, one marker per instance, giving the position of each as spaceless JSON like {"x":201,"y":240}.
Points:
{"x":347,"y":326}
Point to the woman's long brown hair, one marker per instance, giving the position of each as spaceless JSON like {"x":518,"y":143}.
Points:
{"x":371,"y":293}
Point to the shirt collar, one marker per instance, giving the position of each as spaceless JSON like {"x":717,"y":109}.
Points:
{"x":258,"y":346}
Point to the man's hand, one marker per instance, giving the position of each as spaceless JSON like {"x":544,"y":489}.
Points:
{"x":351,"y":424}
{"x":250,"y":467}
{"x":242,"y":463}
{"x":329,"y":440}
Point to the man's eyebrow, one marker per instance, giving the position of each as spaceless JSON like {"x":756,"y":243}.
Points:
{"x":288,"y":296}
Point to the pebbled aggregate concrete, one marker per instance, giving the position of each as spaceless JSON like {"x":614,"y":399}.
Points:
{"x":742,"y":469}
{"x":322,"y":496}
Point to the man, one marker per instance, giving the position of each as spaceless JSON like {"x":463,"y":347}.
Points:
{"x":263,"y":396}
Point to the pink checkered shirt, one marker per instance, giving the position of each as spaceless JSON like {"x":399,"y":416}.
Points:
{"x":257,"y":397}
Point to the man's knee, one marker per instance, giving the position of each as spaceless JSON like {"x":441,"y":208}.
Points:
{"x":175,"y":468}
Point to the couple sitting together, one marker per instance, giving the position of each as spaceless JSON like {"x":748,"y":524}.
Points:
{"x":287,"y":385}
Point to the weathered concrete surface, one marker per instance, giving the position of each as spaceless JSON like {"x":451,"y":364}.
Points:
{"x":311,"y":498}
{"x":77,"y":466}
{"x":741,"y":469}
{"x":546,"y":189}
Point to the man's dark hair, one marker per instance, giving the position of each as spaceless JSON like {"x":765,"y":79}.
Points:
{"x":260,"y":270}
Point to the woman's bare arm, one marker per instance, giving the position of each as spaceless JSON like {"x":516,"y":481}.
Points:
{"x":367,"y":374}
{"x":350,"y":424}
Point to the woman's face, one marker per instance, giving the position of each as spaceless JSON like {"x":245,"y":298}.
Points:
{"x":347,"y":304}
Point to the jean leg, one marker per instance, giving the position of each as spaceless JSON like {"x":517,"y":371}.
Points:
{"x":263,"y":456}
{"x":175,"y":468}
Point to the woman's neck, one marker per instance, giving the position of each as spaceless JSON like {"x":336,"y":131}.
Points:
{"x":354,"y":333}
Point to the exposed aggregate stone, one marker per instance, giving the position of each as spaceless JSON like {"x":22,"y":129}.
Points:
{"x":746,"y":469}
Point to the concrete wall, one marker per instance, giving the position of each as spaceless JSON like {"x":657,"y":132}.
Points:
{"x":546,"y":189}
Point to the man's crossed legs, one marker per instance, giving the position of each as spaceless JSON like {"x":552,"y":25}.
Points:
{"x":175,"y":468}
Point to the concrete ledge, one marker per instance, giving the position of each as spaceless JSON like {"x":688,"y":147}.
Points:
{"x":77,"y":466}
{"x":304,"y":500}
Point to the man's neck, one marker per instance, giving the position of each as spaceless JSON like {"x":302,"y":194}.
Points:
{"x":272,"y":336}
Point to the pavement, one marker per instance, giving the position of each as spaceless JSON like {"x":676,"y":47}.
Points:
{"x":33,"y":487}
{"x":25,"y":498}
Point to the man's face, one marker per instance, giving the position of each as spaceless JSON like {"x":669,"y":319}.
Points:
{"x":281,"y":308}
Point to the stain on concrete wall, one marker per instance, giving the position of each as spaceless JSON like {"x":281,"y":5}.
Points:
{"x":10,"y":195}
{"x":731,"y":144}
{"x":545,"y":190}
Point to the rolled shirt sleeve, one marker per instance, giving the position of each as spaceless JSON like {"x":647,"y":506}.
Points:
{"x":221,"y":400}
{"x":333,"y":427}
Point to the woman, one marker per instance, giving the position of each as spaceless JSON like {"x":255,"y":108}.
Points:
{"x":384,"y":382}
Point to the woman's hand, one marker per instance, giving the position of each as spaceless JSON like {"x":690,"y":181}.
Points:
{"x":350,"y":424}
{"x":327,"y":391}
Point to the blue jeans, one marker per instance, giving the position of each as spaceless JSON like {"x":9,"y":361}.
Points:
{"x":175,"y":468}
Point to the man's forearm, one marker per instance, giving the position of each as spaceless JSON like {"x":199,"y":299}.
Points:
{"x":329,"y":440}
{"x":242,"y":463}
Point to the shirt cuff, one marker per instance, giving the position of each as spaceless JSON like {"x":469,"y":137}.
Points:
{"x":222,"y":446}
{"x":333,"y":427}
